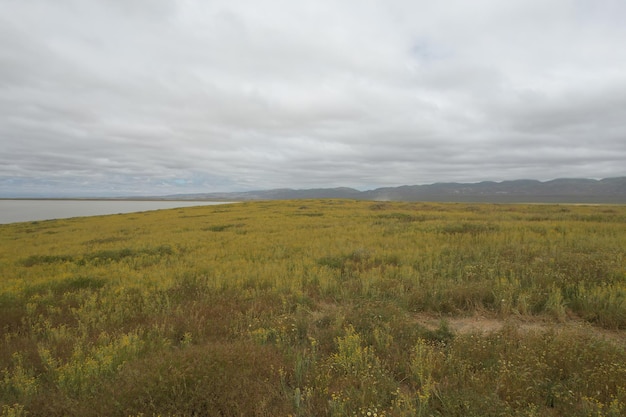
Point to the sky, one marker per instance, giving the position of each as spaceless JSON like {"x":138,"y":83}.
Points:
{"x":160,"y":97}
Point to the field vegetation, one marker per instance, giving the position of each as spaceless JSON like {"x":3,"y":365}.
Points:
{"x":317,"y":308}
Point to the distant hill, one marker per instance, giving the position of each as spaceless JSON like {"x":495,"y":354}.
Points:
{"x":566,"y":190}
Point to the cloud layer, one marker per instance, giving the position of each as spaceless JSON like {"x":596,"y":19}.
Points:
{"x":116,"y":97}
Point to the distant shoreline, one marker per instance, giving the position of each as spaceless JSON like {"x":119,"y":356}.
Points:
{"x":113,"y":199}
{"x":39,"y":209}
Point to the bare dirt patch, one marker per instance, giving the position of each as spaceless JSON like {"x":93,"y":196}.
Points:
{"x":485,"y":324}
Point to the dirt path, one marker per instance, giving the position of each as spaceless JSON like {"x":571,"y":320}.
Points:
{"x":485,"y":324}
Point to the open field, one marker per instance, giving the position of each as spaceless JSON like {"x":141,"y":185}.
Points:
{"x":317,"y":308}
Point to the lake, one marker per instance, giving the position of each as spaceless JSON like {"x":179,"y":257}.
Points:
{"x":12,"y":211}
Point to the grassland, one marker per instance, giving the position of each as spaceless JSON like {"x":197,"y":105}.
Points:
{"x":317,"y":308}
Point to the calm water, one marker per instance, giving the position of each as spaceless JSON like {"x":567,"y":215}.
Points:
{"x":12,"y":211}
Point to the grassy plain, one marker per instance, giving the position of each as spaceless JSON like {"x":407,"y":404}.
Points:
{"x":317,"y":308}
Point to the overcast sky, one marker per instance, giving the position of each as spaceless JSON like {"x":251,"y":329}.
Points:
{"x":119,"y":97}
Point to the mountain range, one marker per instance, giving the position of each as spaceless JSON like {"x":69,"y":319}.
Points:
{"x":565,"y":190}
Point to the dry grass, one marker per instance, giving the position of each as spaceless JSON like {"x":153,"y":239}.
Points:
{"x":317,"y":308}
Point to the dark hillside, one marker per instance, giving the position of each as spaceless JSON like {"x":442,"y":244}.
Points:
{"x":567,"y":190}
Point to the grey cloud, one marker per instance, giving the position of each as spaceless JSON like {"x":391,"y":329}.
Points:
{"x":147,"y":96}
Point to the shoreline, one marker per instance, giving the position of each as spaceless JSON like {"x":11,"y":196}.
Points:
{"x":28,"y":210}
